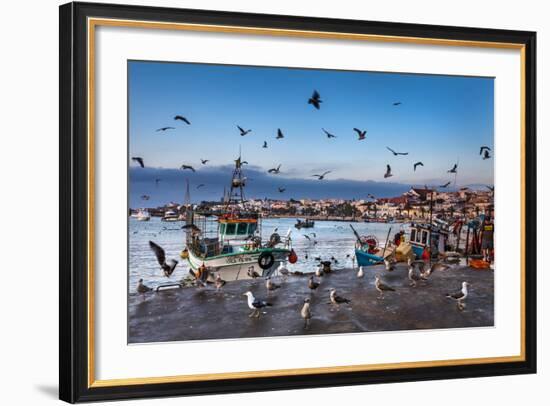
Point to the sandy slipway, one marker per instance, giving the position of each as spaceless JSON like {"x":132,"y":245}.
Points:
{"x":194,"y":314}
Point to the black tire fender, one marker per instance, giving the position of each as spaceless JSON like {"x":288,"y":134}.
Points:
{"x":266,"y":260}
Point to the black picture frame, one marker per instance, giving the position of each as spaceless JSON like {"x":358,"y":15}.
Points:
{"x":74,"y":199}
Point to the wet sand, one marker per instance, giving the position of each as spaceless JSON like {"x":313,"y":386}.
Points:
{"x":204,"y":313}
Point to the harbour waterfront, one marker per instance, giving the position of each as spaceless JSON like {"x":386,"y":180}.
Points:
{"x":203,"y":313}
{"x":326,"y":240}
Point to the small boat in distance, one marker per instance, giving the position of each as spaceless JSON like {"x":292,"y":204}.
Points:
{"x":142,"y":215}
{"x":307,"y":223}
{"x":170,"y":216}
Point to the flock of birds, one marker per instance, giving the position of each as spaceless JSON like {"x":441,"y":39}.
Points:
{"x":419,"y":273}
{"x":315,"y":100}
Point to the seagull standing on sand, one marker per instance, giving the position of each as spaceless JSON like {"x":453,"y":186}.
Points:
{"x":252,"y":273}
{"x":388,"y":172}
{"x":219,"y":282}
{"x":388,"y":263}
{"x":306,"y":313}
{"x":312,"y":284}
{"x":255,"y":304}
{"x":270,"y":285}
{"x":361,"y":272}
{"x":141,"y":288}
{"x":460,"y":296}
{"x":382,"y":287}
{"x":167,"y":267}
{"x":337,"y":300}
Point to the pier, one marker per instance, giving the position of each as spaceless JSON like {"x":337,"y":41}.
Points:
{"x":192,"y":313}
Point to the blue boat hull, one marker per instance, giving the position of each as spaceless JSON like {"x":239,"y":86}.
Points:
{"x":366,"y":259}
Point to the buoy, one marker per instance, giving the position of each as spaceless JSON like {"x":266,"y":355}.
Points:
{"x":292,"y":257}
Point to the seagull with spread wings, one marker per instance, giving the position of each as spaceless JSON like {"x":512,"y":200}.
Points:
{"x":165,"y":128}
{"x":275,"y":170}
{"x":329,"y":135}
{"x":167,"y":267}
{"x":181,"y":118}
{"x":279,"y":134}
{"x":184,"y":167}
{"x":397,"y":153}
{"x":360,"y":134}
{"x":388,"y":173}
{"x":315,"y":100}
{"x":322,"y":176}
{"x":417,"y":164}
{"x":139,"y":160}
{"x":243,"y":131}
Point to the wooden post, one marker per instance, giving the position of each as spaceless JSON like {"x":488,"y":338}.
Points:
{"x":386,"y":244}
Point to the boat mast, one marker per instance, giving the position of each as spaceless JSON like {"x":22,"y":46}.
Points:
{"x":238,"y":181}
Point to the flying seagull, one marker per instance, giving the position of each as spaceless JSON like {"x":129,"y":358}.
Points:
{"x":417,"y":164}
{"x":145,"y":197}
{"x":460,"y":296}
{"x":445,"y":185}
{"x":157,"y":181}
{"x":322,"y":176}
{"x":204,"y":161}
{"x":382,"y":287}
{"x":201,"y":185}
{"x":337,"y":300}
{"x":181,"y":118}
{"x":315,"y":99}
{"x":306,"y":313}
{"x":453,"y":169}
{"x":275,"y":170}
{"x":167,"y":267}
{"x":483,"y":148}
{"x":243,"y":131}
{"x":329,"y":135}
{"x":139,"y":160}
{"x":279,"y":134}
{"x":486,"y":155}
{"x":397,"y":153}
{"x":360,"y":134}
{"x":166,"y":128}
{"x":255,"y":304}
{"x":265,"y":144}
{"x":141,"y":288}
{"x":388,"y":172}
{"x":397,"y":103}
{"x":187,"y":167}
{"x":281,"y":189}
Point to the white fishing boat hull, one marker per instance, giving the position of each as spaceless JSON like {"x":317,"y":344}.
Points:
{"x":235,"y":266}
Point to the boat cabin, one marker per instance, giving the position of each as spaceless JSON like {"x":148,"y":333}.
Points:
{"x":428,"y":238}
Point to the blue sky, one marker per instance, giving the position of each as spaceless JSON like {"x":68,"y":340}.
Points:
{"x":442,"y":119}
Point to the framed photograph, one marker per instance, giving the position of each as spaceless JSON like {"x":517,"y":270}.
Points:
{"x":257,"y":202}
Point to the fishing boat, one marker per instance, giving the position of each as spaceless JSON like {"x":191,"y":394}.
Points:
{"x":429,"y":240}
{"x":307,"y":223}
{"x":170,"y":216}
{"x":368,"y":250}
{"x":230,"y":243}
{"x":142,"y":215}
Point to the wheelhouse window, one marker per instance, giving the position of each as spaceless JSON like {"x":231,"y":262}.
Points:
{"x":241,"y":229}
{"x":424,"y":237}
{"x":230,"y":228}
{"x":413,"y":234}
{"x":252,"y":228}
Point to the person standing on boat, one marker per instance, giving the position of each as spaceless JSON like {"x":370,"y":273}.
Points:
{"x":487,"y":245}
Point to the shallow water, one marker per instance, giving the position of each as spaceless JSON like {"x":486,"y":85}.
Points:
{"x":333,"y":239}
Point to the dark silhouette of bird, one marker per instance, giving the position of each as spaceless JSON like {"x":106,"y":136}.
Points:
{"x":397,"y":153}
{"x":307,"y":236}
{"x":181,"y":118}
{"x":166,"y":128}
{"x":417,"y":164}
{"x":265,"y":144}
{"x":275,"y":170}
{"x":167,"y":267}
{"x":141,"y":288}
{"x":315,"y":100}
{"x":322,"y":176}
{"x":371,"y":196}
{"x":445,"y":185}
{"x":486,"y":155}
{"x":281,"y":189}
{"x":360,"y":134}
{"x":204,"y":161}
{"x":453,"y":169}
{"x":329,"y":135}
{"x":388,"y":172}
{"x":279,"y":134}
{"x":157,"y":181}
{"x":139,"y":160}
{"x":243,"y":131}
{"x":397,"y":103}
{"x":201,"y":185}
{"x":483,"y":148}
{"x":491,"y":188}
{"x":145,"y":197}
{"x":184,"y":167}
